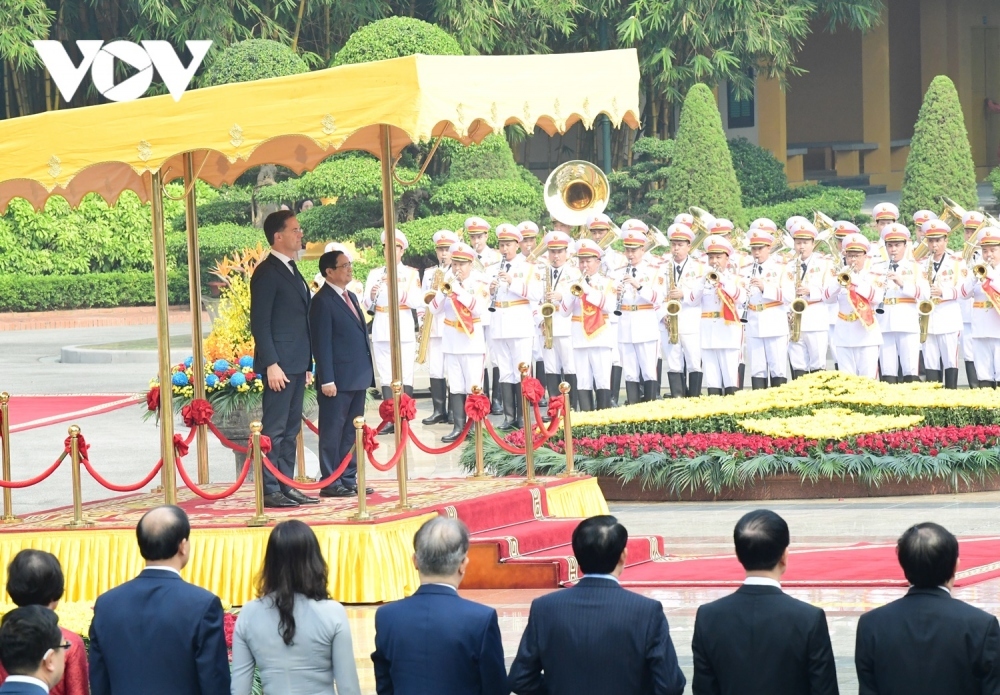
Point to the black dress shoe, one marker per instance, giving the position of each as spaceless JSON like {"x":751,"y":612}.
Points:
{"x":336,"y":491}
{"x":277,"y":500}
{"x":297,"y":496}
{"x":368,"y":490}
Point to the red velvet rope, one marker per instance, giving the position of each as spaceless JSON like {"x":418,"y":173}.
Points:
{"x":310,"y":425}
{"x":404,"y":433}
{"x":15,"y":484}
{"x":226,"y":442}
{"x":537,"y":441}
{"x":549,"y":431}
{"x":444,"y":449}
{"x":121,"y":488}
{"x":211,"y":495}
{"x":282,"y":478}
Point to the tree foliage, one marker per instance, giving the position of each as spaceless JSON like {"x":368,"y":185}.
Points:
{"x":253,"y":59}
{"x":701,"y":170}
{"x":637,"y":190}
{"x":395,"y":37}
{"x":940,"y":160}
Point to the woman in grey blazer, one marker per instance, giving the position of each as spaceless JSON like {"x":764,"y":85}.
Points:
{"x":294,"y":633}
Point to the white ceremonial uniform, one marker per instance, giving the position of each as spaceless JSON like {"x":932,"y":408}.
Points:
{"x":721,"y":340}
{"x":638,"y":331}
{"x":809,"y":353}
{"x":484,"y":268}
{"x":945,"y":326}
{"x":767,"y":319}
{"x":611,"y":261}
{"x":435,"y":354}
{"x":985,"y":326}
{"x":560,"y":359}
{"x":408,"y":284}
{"x":899,"y":322}
{"x":592,"y":357}
{"x":968,"y":351}
{"x":855,"y":345}
{"x":512,"y":325}
{"x":688,"y":276}
{"x":464,"y":354}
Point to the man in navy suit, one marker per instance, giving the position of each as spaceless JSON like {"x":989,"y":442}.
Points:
{"x":279,"y":323}
{"x":759,"y":640}
{"x":434,"y":642}
{"x":157,"y":634}
{"x":33,"y":651}
{"x":928,"y":643}
{"x":597,"y":638}
{"x":343,"y":370}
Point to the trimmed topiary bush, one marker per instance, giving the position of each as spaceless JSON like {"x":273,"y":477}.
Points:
{"x":395,"y":37}
{"x":638,"y":190}
{"x":491,"y":159}
{"x":214,"y":242}
{"x":940,"y":160}
{"x":61,"y":292}
{"x":340,"y":221}
{"x":994,"y":179}
{"x":701,"y":169}
{"x":253,"y":59}
{"x":838,"y":203}
{"x":762,"y":178}
{"x":509,"y":198}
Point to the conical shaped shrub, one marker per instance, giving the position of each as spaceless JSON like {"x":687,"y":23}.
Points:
{"x":701,"y":171}
{"x":940,"y":160}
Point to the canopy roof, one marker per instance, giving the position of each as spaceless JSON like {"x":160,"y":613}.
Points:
{"x":300,"y":120}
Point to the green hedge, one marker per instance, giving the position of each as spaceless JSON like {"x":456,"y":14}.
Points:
{"x":514,"y":199}
{"x":395,"y":37}
{"x":51,"y":292}
{"x":214,"y":242}
{"x":762,"y":177}
{"x":994,"y":180}
{"x":838,"y":203}
{"x":341,"y":221}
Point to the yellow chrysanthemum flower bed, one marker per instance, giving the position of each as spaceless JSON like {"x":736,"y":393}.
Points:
{"x":829,"y":423}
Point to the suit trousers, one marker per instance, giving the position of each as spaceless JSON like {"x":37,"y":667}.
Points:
{"x":510,"y":352}
{"x":721,"y":367}
{"x":987,"y":360}
{"x":941,"y":349}
{"x":904,"y":347}
{"x":593,"y":368}
{"x":859,"y":361}
{"x":336,"y":433}
{"x":281,"y":421}
{"x":686,"y":353}
{"x":809,"y":354}
{"x":768,"y":356}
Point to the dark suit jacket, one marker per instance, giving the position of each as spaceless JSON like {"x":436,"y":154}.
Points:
{"x":596,"y":638}
{"x":279,"y":318}
{"x":340,"y":342}
{"x":158,"y":635}
{"x":761,"y":640}
{"x":437,"y":643}
{"x":21,"y":689}
{"x":928,"y":643}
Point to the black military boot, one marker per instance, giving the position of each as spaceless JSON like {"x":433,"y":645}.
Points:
{"x":603,"y":399}
{"x":796,"y":373}
{"x":778,"y":381}
{"x":888,"y":379}
{"x":518,"y":407}
{"x":457,"y":412}
{"x":933,"y":375}
{"x":439,"y":399}
{"x":509,"y":406}
{"x":497,"y":408}
{"x":651,"y":390}
{"x":731,"y":390}
{"x":714,"y":392}
{"x":951,"y":378}
{"x":631,"y":392}
{"x":741,"y":372}
{"x":540,"y":375}
{"x":758,"y":382}
{"x":616,"y":385}
{"x":586,"y":400}
{"x":387,"y":396}
{"x":676,"y":382}
{"x":970,"y":374}
{"x":694,"y":385}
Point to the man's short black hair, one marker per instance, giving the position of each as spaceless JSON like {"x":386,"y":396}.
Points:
{"x":598,"y":543}
{"x":761,"y":537}
{"x":928,"y":554}
{"x":34,"y":578}
{"x":161,"y":538}
{"x":26,"y":633}
{"x":330,"y":259}
{"x":275,"y":222}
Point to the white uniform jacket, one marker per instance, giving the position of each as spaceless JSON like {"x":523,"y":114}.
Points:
{"x":410,"y":296}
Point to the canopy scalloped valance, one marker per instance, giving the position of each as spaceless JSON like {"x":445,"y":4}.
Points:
{"x":300,"y":120}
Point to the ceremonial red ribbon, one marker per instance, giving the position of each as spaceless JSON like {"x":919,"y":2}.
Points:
{"x":862,"y":307}
{"x":593,"y":317}
{"x":197,"y":412}
{"x":407,"y":408}
{"x":153,"y":399}
{"x":532,"y":389}
{"x":464,"y":314}
{"x":993,"y":293}
{"x":477,"y":406}
{"x":728,"y":302}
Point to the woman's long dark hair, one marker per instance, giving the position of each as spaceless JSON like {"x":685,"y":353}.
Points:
{"x":293,"y":565}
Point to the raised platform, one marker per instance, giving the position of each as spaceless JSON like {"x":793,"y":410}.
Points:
{"x":370,"y":562}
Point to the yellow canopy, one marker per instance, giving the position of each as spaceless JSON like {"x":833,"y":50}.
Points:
{"x":298,"y":121}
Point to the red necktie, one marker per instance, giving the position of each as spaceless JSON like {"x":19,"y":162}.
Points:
{"x":350,"y":305}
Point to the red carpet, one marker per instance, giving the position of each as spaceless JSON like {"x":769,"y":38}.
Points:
{"x":862,"y":565}
{"x":29,"y":412}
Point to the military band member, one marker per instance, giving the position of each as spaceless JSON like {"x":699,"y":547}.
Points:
{"x":769,"y":291}
{"x":905,"y":286}
{"x":680,"y":277}
{"x":443,"y":240}
{"x":945,"y":271}
{"x":513,"y":290}
{"x":559,"y":359}
{"x":986,"y":308}
{"x":972,"y":222}
{"x":529,"y":240}
{"x":856,"y":335}
{"x":638,"y":330}
{"x":593,"y":334}
{"x":722,"y":296}
{"x":376,"y":301}
{"x":808,"y":272}
{"x":478,"y":230}
{"x":462,"y":302}
{"x":598,"y":226}
{"x":884,"y":214}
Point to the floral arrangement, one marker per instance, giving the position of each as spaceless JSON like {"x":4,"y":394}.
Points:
{"x":829,"y":423}
{"x":228,"y":385}
{"x":230,"y":337}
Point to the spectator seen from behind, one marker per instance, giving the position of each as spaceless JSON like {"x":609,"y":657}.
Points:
{"x":32,"y":650}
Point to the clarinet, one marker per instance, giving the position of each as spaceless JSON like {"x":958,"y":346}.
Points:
{"x":746,"y":308}
{"x":371,"y":311}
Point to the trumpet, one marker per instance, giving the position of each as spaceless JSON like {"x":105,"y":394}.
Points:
{"x":576,"y":289}
{"x":924,"y":309}
{"x":844,"y":278}
{"x":446,"y":288}
{"x":713,"y":277}
{"x":980,"y":270}
{"x":799,"y":305}
{"x":425,"y":329}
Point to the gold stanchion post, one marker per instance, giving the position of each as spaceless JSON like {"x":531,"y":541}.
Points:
{"x":397,"y":388}
{"x":167,"y":473}
{"x":480,"y":463}
{"x":74,"y":457}
{"x":258,"y":519}
{"x":529,"y":429}
{"x":8,"y":504}
{"x":359,"y":451}
{"x":300,"y":459}
{"x":194,"y":282}
{"x":564,"y":389}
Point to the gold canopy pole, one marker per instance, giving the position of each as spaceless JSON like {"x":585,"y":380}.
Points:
{"x":389,"y":223}
{"x":163,"y":342}
{"x":194,"y":282}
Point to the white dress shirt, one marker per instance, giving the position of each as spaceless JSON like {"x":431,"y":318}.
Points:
{"x":761,"y":581}
{"x":165,"y":568}
{"x":284,"y":259}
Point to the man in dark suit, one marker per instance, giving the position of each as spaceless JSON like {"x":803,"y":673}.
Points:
{"x":157,"y":634}
{"x":434,"y":642}
{"x":32,"y":650}
{"x":343,"y":370}
{"x":759,"y":639}
{"x":597,"y":638}
{"x":928,"y":643}
{"x":279,"y":322}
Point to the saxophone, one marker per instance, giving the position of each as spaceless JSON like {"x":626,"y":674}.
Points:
{"x":926,"y":306}
{"x":672,"y":320}
{"x":425,"y":330}
{"x":799,"y":305}
{"x":547,"y":309}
